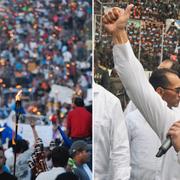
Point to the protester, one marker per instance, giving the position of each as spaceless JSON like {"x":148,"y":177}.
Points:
{"x":111,"y":146}
{"x":59,"y":157}
{"x":79,"y":153}
{"x":23,"y":152}
{"x":152,"y":107}
{"x":79,"y":122}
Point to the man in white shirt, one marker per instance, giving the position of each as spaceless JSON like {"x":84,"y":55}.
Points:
{"x":59,"y":157}
{"x":111,"y":146}
{"x":144,"y":142}
{"x":132,"y":75}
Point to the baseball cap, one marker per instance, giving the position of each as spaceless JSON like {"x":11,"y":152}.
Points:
{"x":79,"y":145}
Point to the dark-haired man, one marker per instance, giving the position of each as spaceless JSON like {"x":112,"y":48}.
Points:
{"x":144,"y":142}
{"x":79,"y":153}
{"x":59,"y":157}
{"x":150,"y":104}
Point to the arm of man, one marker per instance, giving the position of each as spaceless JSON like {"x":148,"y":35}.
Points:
{"x":35,"y":134}
{"x":132,"y":75}
{"x":119,"y":153}
{"x":111,"y":146}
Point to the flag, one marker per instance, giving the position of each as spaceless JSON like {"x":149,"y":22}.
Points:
{"x":67,"y":141}
{"x":8,"y":133}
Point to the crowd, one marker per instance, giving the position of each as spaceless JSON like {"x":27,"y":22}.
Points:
{"x":147,"y":30}
{"x":46,"y":50}
{"x":155,"y":10}
{"x":22,"y":161}
{"x":44,"y":43}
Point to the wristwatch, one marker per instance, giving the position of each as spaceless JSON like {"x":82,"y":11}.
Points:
{"x":178,"y":156}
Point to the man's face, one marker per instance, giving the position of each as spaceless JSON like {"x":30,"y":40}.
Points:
{"x":171,"y":93}
{"x":2,"y":159}
{"x":84,"y":156}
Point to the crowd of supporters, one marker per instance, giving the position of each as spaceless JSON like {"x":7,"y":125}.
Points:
{"x":152,"y":39}
{"x":46,"y":44}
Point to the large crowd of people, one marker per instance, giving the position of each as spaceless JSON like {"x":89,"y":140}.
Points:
{"x":44,"y":43}
{"x":149,"y":34}
{"x":46,"y":50}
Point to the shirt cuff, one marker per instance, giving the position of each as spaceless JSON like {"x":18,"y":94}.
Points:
{"x":178,"y":156}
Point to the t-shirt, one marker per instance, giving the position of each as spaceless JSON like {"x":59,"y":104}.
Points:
{"x":7,"y":176}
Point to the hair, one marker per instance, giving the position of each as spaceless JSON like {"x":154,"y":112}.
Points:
{"x":79,"y":102}
{"x":20,"y":146}
{"x":176,"y":67}
{"x":60,"y":156}
{"x":159,"y":77}
{"x":67,"y":176}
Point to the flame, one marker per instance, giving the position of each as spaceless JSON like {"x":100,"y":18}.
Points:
{"x":18,"y":95}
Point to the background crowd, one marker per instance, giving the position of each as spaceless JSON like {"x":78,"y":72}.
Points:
{"x":46,"y":50}
{"x":153,"y":31}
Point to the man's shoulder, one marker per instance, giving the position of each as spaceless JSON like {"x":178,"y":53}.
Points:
{"x":79,"y":172}
{"x":134,"y":115}
{"x":43,"y":175}
{"x":104,"y":92}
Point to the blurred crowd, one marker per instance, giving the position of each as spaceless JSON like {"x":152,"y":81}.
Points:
{"x":148,"y":40}
{"x":24,"y":162}
{"x":44,"y":43}
{"x":154,"y":10}
{"x":152,"y":36}
{"x":46,"y":50}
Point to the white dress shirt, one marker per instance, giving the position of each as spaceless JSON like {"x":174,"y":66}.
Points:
{"x":129,"y":108}
{"x":144,"y":144}
{"x":51,"y":174}
{"x":178,"y":155}
{"x":150,"y":104}
{"x":111,"y":146}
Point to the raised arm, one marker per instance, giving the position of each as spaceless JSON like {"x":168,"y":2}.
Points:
{"x":35,"y":135}
{"x":132,"y":75}
{"x":119,"y":144}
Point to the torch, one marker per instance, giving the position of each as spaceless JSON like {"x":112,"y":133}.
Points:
{"x":18,"y":112}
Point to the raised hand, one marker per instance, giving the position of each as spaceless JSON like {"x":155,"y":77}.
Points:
{"x":174,"y":133}
{"x":116,"y":19}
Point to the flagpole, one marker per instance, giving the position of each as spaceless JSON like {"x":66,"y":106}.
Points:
{"x":17,"y":110}
{"x":140,"y":43}
{"x":162,"y":45}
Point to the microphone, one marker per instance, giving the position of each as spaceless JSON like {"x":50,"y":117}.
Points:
{"x":164,"y":147}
